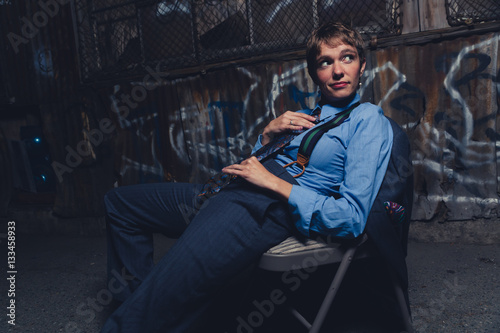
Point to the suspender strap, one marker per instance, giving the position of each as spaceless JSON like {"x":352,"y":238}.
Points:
{"x":312,"y":137}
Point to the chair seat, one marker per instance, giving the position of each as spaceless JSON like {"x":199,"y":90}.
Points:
{"x":294,"y":253}
{"x":293,"y":244}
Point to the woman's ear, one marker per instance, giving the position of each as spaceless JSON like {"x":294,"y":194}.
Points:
{"x":362,"y":69}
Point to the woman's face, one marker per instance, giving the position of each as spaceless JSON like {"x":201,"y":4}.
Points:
{"x":338,"y":70}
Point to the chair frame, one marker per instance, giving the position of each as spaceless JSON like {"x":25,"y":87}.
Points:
{"x":293,"y":254}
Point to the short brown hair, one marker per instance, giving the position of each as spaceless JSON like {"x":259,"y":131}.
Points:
{"x":326,"y":33}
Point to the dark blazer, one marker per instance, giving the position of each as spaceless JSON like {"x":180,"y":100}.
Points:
{"x":390,"y":239}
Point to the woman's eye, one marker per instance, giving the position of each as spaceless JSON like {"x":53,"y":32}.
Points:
{"x":348,"y":58}
{"x":323,"y":63}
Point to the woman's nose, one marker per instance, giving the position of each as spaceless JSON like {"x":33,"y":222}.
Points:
{"x":337,"y":70}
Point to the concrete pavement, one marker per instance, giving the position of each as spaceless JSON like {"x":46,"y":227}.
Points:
{"x":60,"y":285}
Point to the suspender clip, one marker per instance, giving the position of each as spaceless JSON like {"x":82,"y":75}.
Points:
{"x":301,"y":161}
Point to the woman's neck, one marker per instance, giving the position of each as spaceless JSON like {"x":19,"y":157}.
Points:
{"x":340,"y":103}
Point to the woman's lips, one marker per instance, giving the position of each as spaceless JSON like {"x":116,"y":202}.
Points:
{"x":339,"y":85}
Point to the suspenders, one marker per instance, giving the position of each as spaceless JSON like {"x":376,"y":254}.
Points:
{"x":312,"y":137}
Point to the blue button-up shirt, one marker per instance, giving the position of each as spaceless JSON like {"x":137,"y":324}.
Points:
{"x":350,"y":160}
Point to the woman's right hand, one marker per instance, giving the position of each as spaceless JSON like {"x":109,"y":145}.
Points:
{"x":287,"y":122}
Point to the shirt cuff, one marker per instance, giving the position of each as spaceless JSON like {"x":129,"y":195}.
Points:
{"x":258,"y":144}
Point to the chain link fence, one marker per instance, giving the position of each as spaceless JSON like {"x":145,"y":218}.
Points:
{"x":120,"y":37}
{"x":465,"y":12}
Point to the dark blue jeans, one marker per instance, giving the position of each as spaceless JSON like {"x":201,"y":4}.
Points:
{"x":228,"y":233}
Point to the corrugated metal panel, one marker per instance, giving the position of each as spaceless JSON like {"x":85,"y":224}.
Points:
{"x":17,"y":58}
{"x":151,"y":128}
{"x":446,"y":96}
{"x":39,"y":50}
{"x":80,"y":130}
{"x":41,"y":69}
{"x":197,"y":125}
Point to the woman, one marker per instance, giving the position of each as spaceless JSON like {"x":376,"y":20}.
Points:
{"x":261,"y":208}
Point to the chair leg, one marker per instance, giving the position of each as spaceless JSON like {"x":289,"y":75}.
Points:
{"x":403,"y":307}
{"x":330,"y":295}
{"x":300,"y":318}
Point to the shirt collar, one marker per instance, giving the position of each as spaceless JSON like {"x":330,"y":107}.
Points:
{"x":328,"y":111}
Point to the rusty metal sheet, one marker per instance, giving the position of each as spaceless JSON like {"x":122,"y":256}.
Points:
{"x":204,"y":122}
{"x":82,"y":141}
{"x":446,"y":97}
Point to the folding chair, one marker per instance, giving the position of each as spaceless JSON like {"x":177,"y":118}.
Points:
{"x":382,"y":238}
{"x":293,"y":254}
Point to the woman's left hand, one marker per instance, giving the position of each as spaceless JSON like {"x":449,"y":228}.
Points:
{"x":254,"y":172}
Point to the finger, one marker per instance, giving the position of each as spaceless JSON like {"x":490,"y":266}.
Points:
{"x":304,"y":116}
{"x":300,"y":120}
{"x":231,"y":167}
{"x":298,"y":115}
{"x":299,"y":123}
{"x":231,"y":170}
{"x":292,"y":123}
{"x":246,"y":161}
{"x":252,"y":159}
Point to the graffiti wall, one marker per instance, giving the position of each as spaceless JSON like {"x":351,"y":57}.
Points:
{"x":445,"y":96}
{"x":154,"y":128}
{"x":188,"y":129}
